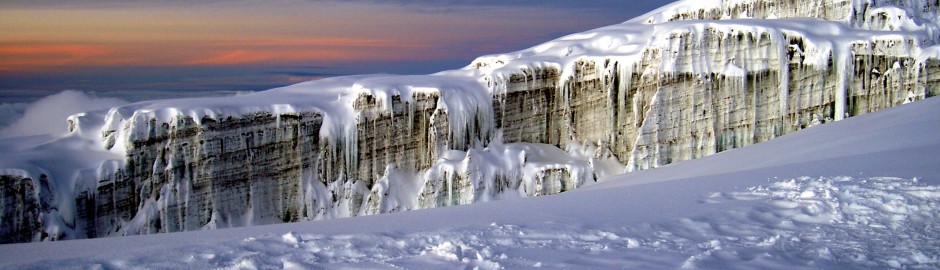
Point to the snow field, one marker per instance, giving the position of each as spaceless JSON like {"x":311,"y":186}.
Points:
{"x":803,"y":223}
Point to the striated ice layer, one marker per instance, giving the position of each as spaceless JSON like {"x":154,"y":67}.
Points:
{"x":686,"y":81}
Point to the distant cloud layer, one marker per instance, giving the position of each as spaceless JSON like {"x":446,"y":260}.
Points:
{"x":128,"y":47}
{"x":167,"y":33}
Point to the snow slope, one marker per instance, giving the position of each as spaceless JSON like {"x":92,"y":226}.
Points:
{"x":859,"y":193}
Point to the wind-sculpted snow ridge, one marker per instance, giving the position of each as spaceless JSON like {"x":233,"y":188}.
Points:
{"x":802,"y":223}
{"x":686,"y":81}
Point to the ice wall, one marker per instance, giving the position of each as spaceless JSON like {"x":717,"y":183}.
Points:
{"x":686,"y":81}
{"x":686,"y":88}
{"x":263,"y":168}
{"x":19,"y":210}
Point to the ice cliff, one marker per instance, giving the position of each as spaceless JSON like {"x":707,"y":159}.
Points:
{"x":685,"y":81}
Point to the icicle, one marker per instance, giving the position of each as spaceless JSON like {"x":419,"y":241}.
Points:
{"x":626,"y":78}
{"x":702,"y":66}
{"x":841,"y":54}
{"x":783,"y":72}
{"x":350,"y":143}
{"x":525,"y":78}
{"x":389,"y":106}
{"x":411,"y":107}
{"x":907,"y":69}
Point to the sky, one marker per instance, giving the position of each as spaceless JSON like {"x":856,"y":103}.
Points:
{"x":138,"y":50}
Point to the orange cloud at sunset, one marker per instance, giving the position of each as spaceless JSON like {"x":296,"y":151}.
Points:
{"x":43,"y":39}
{"x":28,"y":57}
{"x":248,"y":57}
{"x":21,"y":56}
{"x":306,"y":50}
{"x":246,"y":33}
{"x":327,"y":42}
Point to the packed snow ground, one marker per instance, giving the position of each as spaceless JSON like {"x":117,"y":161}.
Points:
{"x":859,"y":193}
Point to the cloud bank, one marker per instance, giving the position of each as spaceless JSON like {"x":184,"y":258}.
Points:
{"x":48,"y":115}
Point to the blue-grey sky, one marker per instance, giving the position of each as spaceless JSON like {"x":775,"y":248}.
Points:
{"x":158,"y":49}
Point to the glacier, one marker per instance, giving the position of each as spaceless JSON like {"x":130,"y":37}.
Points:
{"x":688,"y":80}
{"x":826,"y":197}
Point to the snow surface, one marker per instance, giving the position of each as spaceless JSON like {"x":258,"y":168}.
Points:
{"x":859,"y":193}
